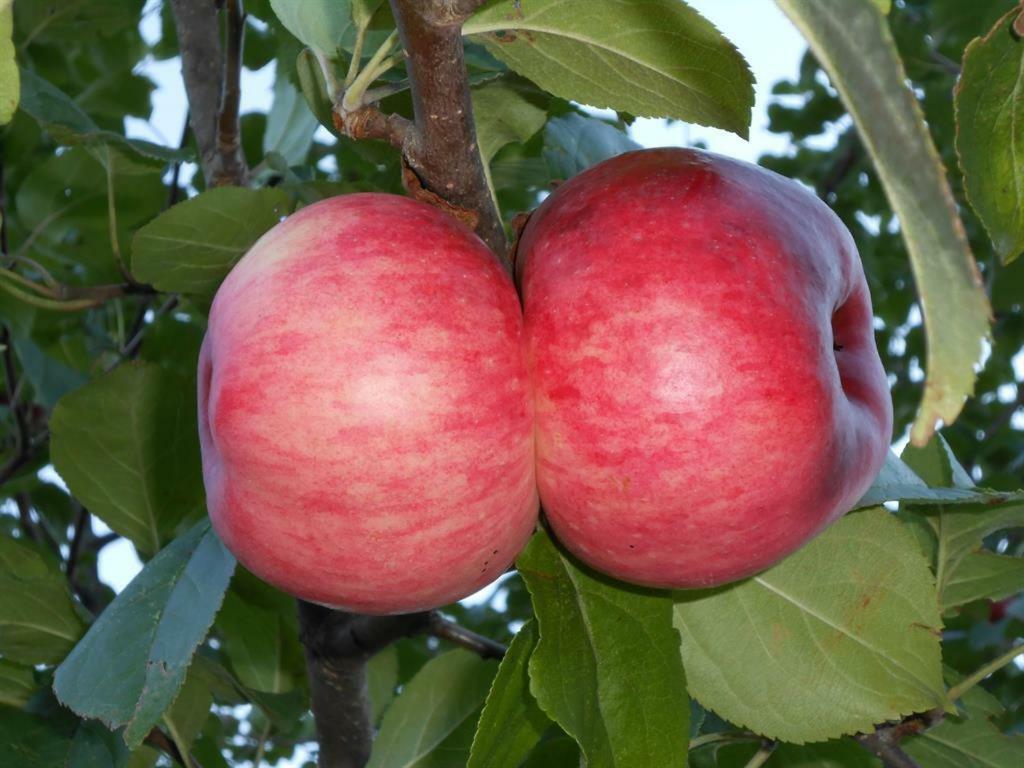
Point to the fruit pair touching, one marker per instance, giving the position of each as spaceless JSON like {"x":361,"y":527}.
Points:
{"x":691,"y":382}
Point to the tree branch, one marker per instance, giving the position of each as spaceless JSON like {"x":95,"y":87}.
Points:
{"x":338,"y":646}
{"x":157,"y":739}
{"x":446,"y":629}
{"x":231,"y":167}
{"x":442,"y":152}
{"x":204,"y":67}
{"x":886,"y":750}
{"x":199,"y":43}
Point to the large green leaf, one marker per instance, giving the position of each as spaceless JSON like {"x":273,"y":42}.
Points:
{"x":607,"y":666}
{"x":9,"y":81}
{"x":131,"y":664}
{"x":320,"y":24}
{"x":433,"y":706}
{"x":853,"y":42}
{"x":511,"y":722}
{"x":38,"y":621}
{"x":840,"y":636}
{"x":936,"y":465}
{"x":506,"y":110}
{"x":127,"y":445}
{"x":989,"y":99}
{"x":898,"y":482}
{"x":574,"y":142}
{"x":657,"y":58}
{"x":191,"y":247}
{"x":190,"y":709}
{"x":971,"y":741}
{"x":958,"y":532}
{"x":381,"y":680}
{"x":68,"y":123}
{"x":30,"y":741}
{"x":983,"y":575}
{"x":952,"y":532}
{"x":17,"y":683}
{"x":290,"y":123}
{"x":95,"y":746}
{"x":252,"y":640}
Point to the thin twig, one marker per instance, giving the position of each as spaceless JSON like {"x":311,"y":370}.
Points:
{"x":82,"y":526}
{"x":974,"y":678}
{"x":261,"y":746}
{"x":131,"y":347}
{"x":21,"y":435}
{"x":157,"y":739}
{"x":446,"y":629}
{"x":886,"y":750}
{"x":760,"y":757}
{"x":232,"y":169}
{"x":718,"y":738}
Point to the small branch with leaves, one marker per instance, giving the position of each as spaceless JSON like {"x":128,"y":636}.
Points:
{"x":439,"y":148}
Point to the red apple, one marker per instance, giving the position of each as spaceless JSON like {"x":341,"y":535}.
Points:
{"x":708,"y":394}
{"x":365,"y":413}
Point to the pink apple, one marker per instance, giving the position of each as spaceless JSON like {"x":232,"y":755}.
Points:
{"x":708,"y":393}
{"x":365,"y":413}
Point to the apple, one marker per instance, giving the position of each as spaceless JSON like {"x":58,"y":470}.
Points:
{"x":707,"y":391}
{"x":365,"y":413}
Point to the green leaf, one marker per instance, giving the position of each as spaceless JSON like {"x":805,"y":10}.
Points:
{"x":936,"y":465}
{"x":50,"y":377}
{"x":127,"y":445}
{"x":575,"y":142}
{"x":29,"y":741}
{"x":898,"y":482}
{"x":290,"y":124}
{"x":381,"y":680}
{"x":830,"y":754}
{"x":959,"y":531}
{"x":511,"y":723}
{"x":69,"y":124}
{"x":989,"y":102}
{"x":839,"y":636}
{"x":320,"y":24}
{"x":252,"y":641}
{"x":883,"y":5}
{"x":95,"y":746}
{"x":131,"y":664}
{"x":191,"y":247}
{"x":659,"y":58}
{"x":853,"y":42}
{"x":607,"y":666}
{"x":558,"y":751}
{"x":434,"y":704}
{"x":9,"y":80}
{"x":506,"y":110}
{"x":983,"y":575}
{"x":17,"y":683}
{"x":191,"y":707}
{"x":314,"y":89}
{"x":38,"y":621}
{"x":971,"y":741}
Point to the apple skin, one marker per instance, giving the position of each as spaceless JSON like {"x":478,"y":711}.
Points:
{"x":365,"y":414}
{"x":694,"y":424}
